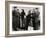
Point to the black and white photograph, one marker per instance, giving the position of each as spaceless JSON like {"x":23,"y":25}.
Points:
{"x":24,"y":18}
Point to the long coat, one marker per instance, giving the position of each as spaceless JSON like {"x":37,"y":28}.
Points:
{"x":36,"y":21}
{"x":15,"y":20}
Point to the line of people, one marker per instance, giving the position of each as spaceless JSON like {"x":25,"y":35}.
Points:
{"x":32,"y":19}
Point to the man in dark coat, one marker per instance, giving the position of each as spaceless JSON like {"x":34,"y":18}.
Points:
{"x":14,"y":12}
{"x":28,"y":18}
{"x":35,"y":16}
{"x":15,"y":19}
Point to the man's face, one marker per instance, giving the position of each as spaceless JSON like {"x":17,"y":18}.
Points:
{"x":36,"y":10}
{"x":17,"y":10}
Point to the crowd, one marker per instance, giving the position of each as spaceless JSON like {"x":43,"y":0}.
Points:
{"x":21,"y":21}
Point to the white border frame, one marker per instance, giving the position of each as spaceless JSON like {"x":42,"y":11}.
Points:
{"x":8,"y":19}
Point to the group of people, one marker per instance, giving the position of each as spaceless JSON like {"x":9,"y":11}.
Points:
{"x":21,"y":21}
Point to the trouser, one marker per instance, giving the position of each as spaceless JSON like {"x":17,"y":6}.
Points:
{"x":27,"y":24}
{"x":35,"y":26}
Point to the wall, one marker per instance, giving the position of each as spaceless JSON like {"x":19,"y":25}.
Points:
{"x":2,"y":19}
